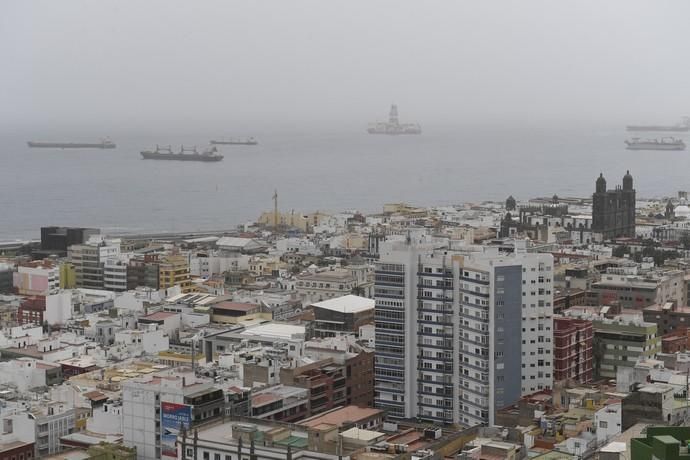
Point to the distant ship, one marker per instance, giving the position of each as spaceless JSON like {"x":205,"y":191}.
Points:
{"x":104,"y":144}
{"x":394,"y":127}
{"x":185,"y":154}
{"x":233,"y":141}
{"x":667,"y":143}
{"x":683,"y":126}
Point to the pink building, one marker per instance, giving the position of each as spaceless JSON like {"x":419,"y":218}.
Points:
{"x":38,"y":278}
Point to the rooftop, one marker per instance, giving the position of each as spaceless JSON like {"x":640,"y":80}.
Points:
{"x":277,"y":330}
{"x":668,"y":307}
{"x":362,"y":435}
{"x":158,"y":316}
{"x":83,"y":362}
{"x":13,"y":445}
{"x":347,"y":304}
{"x":235,"y":306}
{"x":327,"y":275}
{"x":342,"y":415}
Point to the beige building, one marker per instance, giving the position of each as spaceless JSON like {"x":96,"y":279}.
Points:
{"x":640,"y":291}
{"x":293,"y":219}
{"x":263,"y":265}
{"x":334,"y":282}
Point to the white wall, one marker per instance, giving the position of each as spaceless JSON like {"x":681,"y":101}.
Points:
{"x":155,"y":341}
{"x":58,"y":308}
{"x":22,"y":373}
{"x":106,"y":419}
{"x":195,"y":319}
{"x":607,"y":422}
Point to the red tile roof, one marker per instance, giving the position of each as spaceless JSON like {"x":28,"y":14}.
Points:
{"x":158,"y":316}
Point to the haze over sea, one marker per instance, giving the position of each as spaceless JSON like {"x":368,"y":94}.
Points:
{"x":328,"y":168}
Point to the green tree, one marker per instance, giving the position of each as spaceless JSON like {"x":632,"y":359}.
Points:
{"x":620,"y":251}
{"x":685,"y":241}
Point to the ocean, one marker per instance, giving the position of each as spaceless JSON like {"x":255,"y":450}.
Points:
{"x":329,"y":168}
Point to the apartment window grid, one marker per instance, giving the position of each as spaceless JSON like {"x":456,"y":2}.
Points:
{"x":474,"y":346}
{"x":389,"y":356}
{"x":435,"y":334}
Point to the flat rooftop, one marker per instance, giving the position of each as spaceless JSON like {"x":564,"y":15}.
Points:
{"x":327,"y":275}
{"x":347,"y":304}
{"x":362,"y":435}
{"x":235,"y":306}
{"x":276,"y":330}
{"x":666,"y":307}
{"x":340,"y":416}
{"x":222,"y":433}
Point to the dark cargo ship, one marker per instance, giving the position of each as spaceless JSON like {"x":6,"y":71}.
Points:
{"x":233,"y":141}
{"x":185,"y":154}
{"x":104,"y":144}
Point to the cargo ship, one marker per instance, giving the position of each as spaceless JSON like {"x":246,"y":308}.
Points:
{"x":185,"y":154}
{"x":393,"y":126}
{"x":666,"y":143}
{"x":103,"y":144}
{"x":233,"y":141}
{"x":683,"y":126}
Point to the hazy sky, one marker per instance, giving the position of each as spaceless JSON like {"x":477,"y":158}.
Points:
{"x":303,"y":61}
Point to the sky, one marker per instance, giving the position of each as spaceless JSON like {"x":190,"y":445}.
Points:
{"x":294,"y":62}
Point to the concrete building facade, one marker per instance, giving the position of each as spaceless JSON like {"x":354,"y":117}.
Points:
{"x":573,"y":349}
{"x":621,"y":342}
{"x":144,"y":404}
{"x":89,"y":260}
{"x":455,"y":328}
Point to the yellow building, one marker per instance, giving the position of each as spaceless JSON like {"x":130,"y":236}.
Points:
{"x":68,"y":276}
{"x":288,"y":219}
{"x":174,"y":271}
{"x":404,"y":209}
{"x":265,"y":265}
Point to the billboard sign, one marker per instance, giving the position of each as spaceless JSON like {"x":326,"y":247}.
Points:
{"x":173,"y":417}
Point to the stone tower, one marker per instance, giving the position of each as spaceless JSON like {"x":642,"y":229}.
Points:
{"x":613,"y":211}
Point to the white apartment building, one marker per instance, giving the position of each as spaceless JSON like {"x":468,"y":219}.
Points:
{"x":150,"y":340}
{"x":53,"y":421}
{"x":115,"y":275}
{"x":460,"y":333}
{"x":179,"y":396}
{"x":608,"y":422}
{"x":89,"y":260}
{"x":208,"y":264}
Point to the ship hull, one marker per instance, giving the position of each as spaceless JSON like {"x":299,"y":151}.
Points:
{"x":234,"y":143}
{"x":668,"y":129}
{"x":393,"y":133}
{"x":180,"y":157}
{"x":70,"y":145}
{"x":655,"y":147}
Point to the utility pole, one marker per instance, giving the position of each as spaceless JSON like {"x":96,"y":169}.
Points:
{"x":275,"y":210}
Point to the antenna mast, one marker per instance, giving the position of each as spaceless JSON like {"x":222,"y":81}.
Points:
{"x":275,"y":210}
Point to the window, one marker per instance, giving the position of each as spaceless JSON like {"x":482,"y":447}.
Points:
{"x":216,"y":456}
{"x":603,"y":424}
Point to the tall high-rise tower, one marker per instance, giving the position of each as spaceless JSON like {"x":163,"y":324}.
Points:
{"x":461,"y":332}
